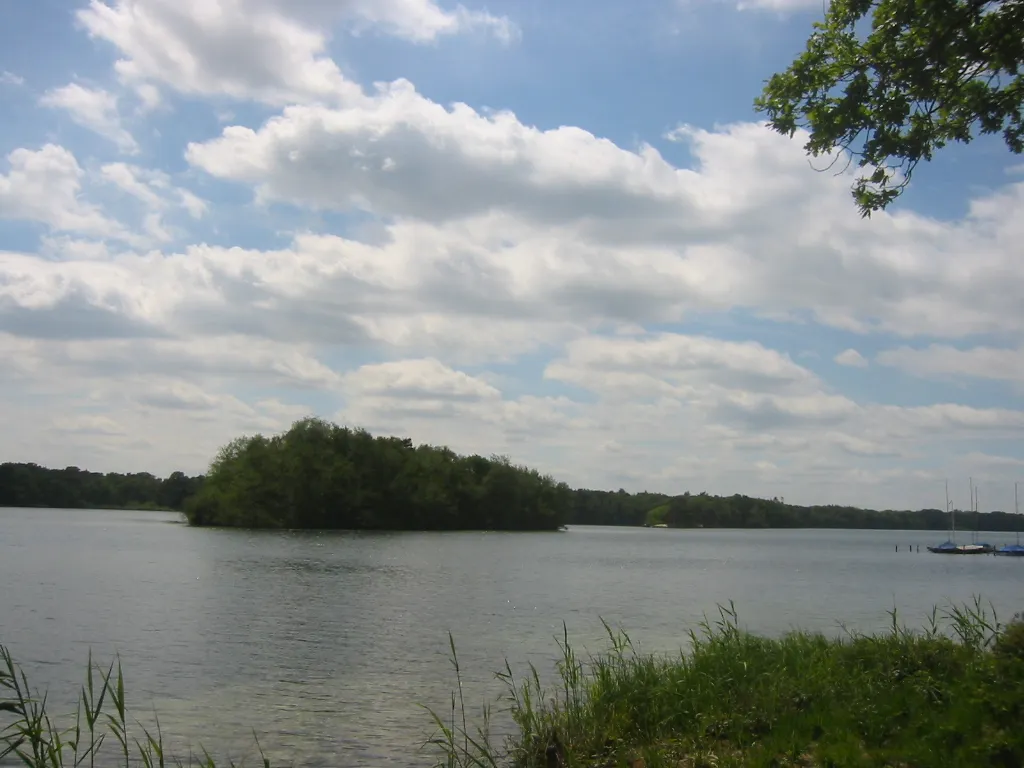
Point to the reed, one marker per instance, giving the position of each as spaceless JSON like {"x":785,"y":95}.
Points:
{"x":102,"y":734}
{"x":950,"y":695}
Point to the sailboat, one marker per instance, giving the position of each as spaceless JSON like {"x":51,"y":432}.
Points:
{"x":985,"y":548}
{"x":1013,"y":550}
{"x":948,"y":547}
{"x":974,"y":548}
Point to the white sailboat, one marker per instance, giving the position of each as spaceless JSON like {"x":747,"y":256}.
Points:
{"x":1013,"y":550}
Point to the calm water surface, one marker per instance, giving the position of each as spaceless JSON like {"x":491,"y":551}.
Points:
{"x":326,"y":643}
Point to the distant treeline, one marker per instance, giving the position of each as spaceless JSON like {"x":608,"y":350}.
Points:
{"x":320,"y":475}
{"x":29,"y":485}
{"x":705,"y":511}
{"x":613,"y":507}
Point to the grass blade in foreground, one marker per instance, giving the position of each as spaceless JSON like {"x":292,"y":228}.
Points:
{"x":27,"y":732}
{"x":952,"y":695}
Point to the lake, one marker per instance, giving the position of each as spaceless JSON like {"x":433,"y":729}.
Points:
{"x":327,"y":643}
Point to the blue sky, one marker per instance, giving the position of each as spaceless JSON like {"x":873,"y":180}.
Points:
{"x":556,"y":231}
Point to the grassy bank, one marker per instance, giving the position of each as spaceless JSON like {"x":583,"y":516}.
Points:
{"x":952,"y":695}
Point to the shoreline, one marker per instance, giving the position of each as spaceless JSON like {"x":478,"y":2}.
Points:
{"x":949,"y":694}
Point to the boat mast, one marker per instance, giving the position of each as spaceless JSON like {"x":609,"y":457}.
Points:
{"x":977,"y":514}
{"x":970,"y":502}
{"x":952,"y":515}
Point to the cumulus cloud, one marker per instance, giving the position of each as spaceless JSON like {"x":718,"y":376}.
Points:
{"x":9,"y":78}
{"x":500,"y":290}
{"x":427,"y":378}
{"x":944,"y":361}
{"x":156,"y":193}
{"x":265,"y":50}
{"x":703,"y":437}
{"x":423,"y":20}
{"x":45,"y":186}
{"x":399,"y":153}
{"x":745,"y":226}
{"x":92,"y":108}
{"x":779,"y":6}
{"x":208,"y":360}
{"x":433,"y":402}
{"x":217,"y":47}
{"x":88,"y":425}
{"x":851,"y":358}
{"x":673,"y":364}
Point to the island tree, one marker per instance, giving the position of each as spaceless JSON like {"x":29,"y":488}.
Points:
{"x":321,"y":475}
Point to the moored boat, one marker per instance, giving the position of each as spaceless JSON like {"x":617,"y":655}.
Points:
{"x":949,"y":546}
{"x":1013,"y":550}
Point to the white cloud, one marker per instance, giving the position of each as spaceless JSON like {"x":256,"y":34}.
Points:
{"x":427,"y":378}
{"x":45,"y":186}
{"x":88,"y":425}
{"x":68,"y":248}
{"x":9,"y":78}
{"x":217,"y":47}
{"x":128,"y":179}
{"x":988,"y":462}
{"x":851,"y":358}
{"x":944,"y":361}
{"x":266,"y":50}
{"x":432,"y":402}
{"x":779,"y":6}
{"x":196,"y":206}
{"x":156,"y":192}
{"x":424,"y":20}
{"x":213,"y":360}
{"x":746,"y":226}
{"x":178,"y":395}
{"x":399,"y":153}
{"x":669,"y":365}
{"x":92,"y":108}
{"x":494,"y":251}
{"x":146,"y":425}
{"x":702,"y":437}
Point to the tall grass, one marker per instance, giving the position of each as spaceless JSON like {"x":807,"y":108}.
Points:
{"x":949,"y":695}
{"x":100,"y":719}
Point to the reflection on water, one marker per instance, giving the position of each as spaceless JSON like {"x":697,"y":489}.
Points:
{"x":327,"y":643}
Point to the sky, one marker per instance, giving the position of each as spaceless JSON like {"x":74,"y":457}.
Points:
{"x":553,"y":231}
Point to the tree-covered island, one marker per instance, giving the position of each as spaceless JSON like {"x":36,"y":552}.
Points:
{"x":320,"y":475}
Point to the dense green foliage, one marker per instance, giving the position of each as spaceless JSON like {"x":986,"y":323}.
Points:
{"x":320,"y":475}
{"x":612,"y":507}
{"x":29,"y":485}
{"x":923,"y":75}
{"x":703,"y":510}
{"x":950,"y":696}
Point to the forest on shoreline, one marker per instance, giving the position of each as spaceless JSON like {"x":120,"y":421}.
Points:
{"x":320,"y":475}
{"x":30,"y":485}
